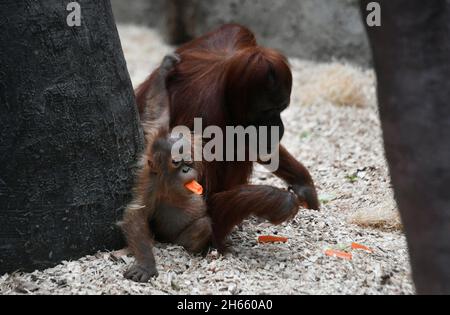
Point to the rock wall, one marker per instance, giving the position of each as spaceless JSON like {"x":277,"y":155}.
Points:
{"x":311,"y":29}
{"x":145,"y":12}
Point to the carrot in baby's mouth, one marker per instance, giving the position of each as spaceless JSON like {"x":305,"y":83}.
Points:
{"x":195,"y":187}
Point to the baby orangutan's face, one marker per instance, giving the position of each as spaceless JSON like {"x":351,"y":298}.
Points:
{"x":176,"y":170}
{"x":184,"y":171}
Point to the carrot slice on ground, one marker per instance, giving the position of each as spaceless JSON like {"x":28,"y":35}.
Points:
{"x":339,"y":254}
{"x":272,"y":239}
{"x":195,"y":187}
{"x":362,"y":247}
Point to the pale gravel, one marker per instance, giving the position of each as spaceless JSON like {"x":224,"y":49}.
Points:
{"x":342,"y":147}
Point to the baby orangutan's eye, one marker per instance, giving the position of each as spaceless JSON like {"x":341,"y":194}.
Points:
{"x":176,"y":163}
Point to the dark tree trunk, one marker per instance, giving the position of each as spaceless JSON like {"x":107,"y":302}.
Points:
{"x":412,"y":60}
{"x":69,"y":133}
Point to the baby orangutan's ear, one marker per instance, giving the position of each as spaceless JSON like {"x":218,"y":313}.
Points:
{"x":152,"y":167}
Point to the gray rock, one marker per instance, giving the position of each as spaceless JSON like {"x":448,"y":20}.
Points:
{"x":313,"y":29}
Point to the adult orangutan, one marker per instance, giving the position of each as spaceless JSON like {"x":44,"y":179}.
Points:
{"x":227,"y":79}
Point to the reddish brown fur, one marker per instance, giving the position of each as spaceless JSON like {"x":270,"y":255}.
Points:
{"x":164,"y":207}
{"x":218,"y":78}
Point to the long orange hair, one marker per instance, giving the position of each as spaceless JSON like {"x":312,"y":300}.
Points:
{"x":215,"y":80}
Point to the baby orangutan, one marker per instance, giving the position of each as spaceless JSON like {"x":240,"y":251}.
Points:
{"x":163,"y":207}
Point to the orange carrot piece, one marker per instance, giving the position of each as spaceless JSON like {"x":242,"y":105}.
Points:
{"x":265,"y":239}
{"x":339,"y":254}
{"x":195,"y":187}
{"x":361,"y":247}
